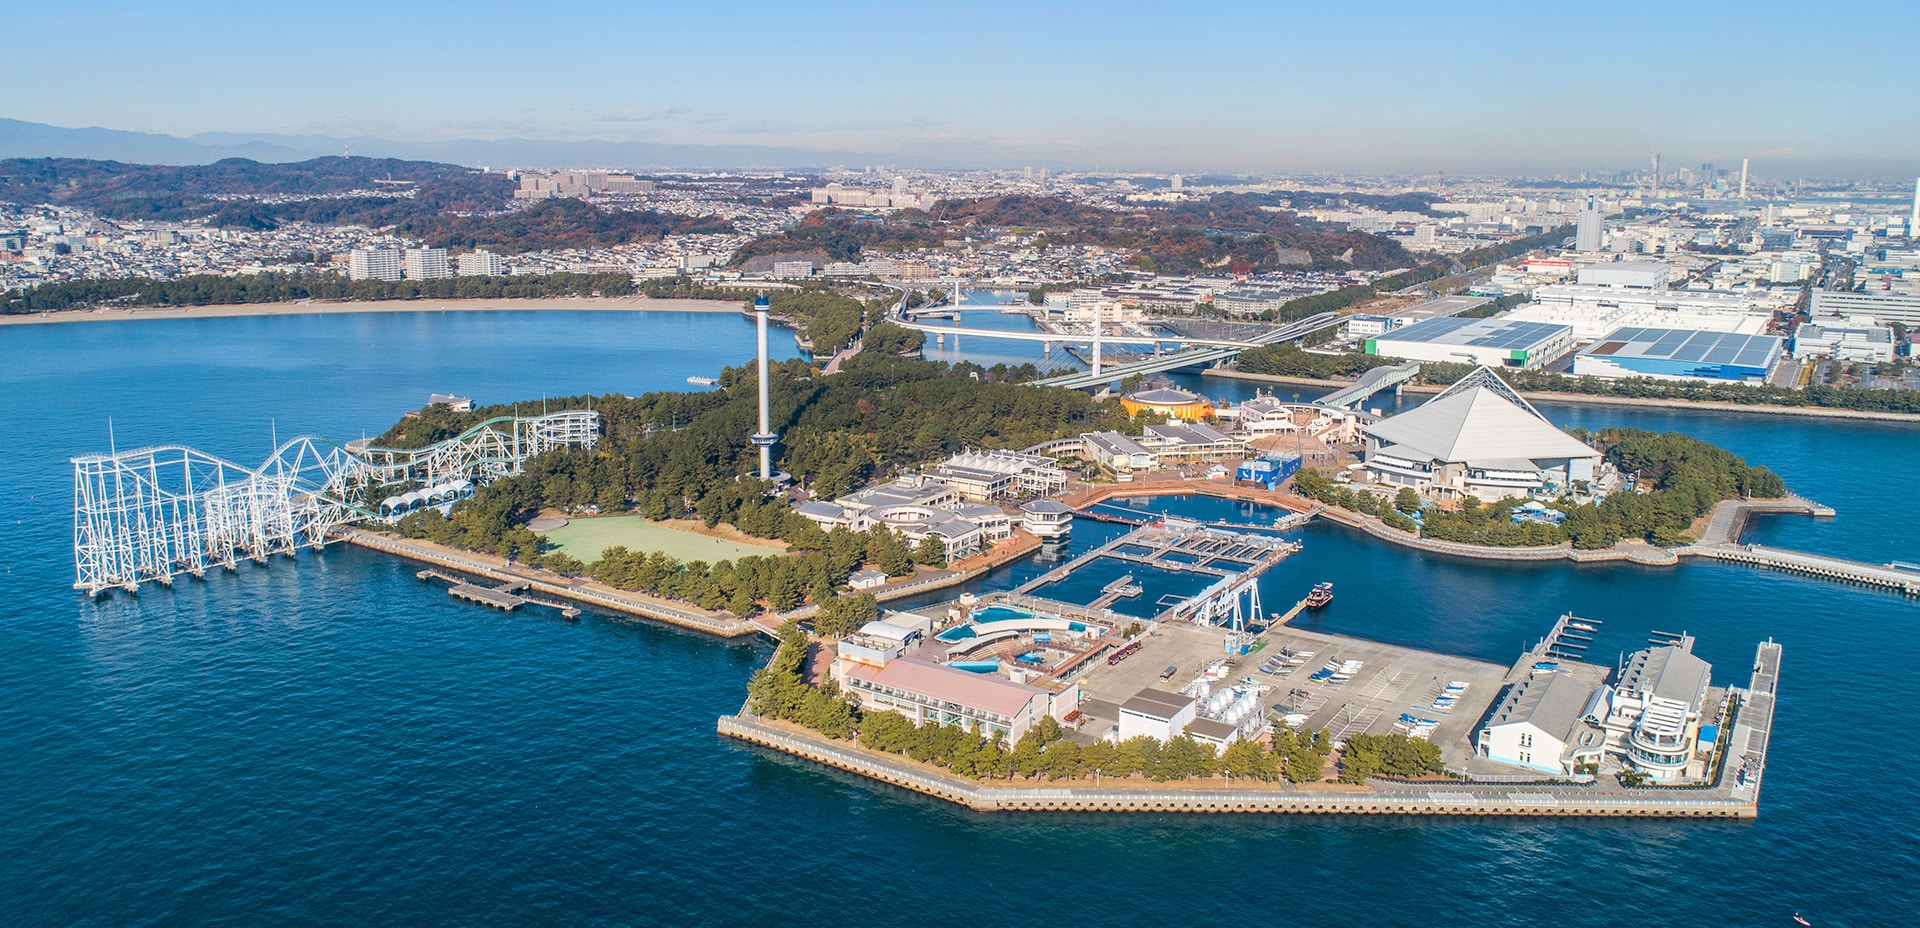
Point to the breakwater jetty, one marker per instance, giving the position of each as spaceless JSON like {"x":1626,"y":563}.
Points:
{"x":1886,"y":577}
{"x":523,"y":580}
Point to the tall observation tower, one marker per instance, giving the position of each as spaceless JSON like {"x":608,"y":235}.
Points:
{"x":765,"y":437}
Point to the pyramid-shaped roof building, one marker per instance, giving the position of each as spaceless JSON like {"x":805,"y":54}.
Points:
{"x":1479,"y":422}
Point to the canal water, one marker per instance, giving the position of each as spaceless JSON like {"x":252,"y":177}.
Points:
{"x":329,"y":741}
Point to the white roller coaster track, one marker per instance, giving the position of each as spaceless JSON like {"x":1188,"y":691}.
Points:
{"x":153,"y":513}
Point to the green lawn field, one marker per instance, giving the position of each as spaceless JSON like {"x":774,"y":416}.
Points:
{"x":586,"y":538}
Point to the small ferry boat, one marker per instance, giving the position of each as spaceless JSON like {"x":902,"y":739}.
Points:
{"x":1320,"y":595}
{"x":703,"y":381}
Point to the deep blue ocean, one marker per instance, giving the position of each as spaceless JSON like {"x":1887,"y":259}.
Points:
{"x":327,"y":741}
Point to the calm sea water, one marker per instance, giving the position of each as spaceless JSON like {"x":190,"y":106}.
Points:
{"x":328,"y":741}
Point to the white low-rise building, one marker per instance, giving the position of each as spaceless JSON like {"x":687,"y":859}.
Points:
{"x":1157,"y":714}
{"x":1654,"y":708}
{"x":1872,"y":344}
{"x":1535,"y":723}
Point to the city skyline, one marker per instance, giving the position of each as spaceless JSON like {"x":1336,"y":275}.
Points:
{"x":1223,"y":87}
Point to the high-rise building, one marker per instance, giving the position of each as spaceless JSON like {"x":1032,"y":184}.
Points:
{"x":373,"y":264}
{"x":1913,"y":221}
{"x":1586,"y":234}
{"x":1178,"y":182}
{"x":1743,"y":178}
{"x":481,"y":264}
{"x":427,"y":264}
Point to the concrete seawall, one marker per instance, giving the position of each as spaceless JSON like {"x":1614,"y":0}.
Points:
{"x":724,"y":626}
{"x":1440,"y":798}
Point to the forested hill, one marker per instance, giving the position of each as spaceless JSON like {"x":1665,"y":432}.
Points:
{"x":177,"y":192}
{"x":1225,"y":232}
{"x":443,"y":204}
{"x":1233,"y":233}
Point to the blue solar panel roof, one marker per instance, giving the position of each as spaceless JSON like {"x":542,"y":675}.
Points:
{"x":1688,"y":345}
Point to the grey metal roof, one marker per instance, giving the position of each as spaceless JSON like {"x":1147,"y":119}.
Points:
{"x":1164,"y":396}
{"x":1044,"y":506}
{"x":1158,"y":704}
{"x":1551,"y":702}
{"x":1668,"y":672}
{"x":1210,"y":729}
{"x":1479,"y":427}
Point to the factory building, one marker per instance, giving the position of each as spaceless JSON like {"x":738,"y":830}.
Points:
{"x":1680,"y":354}
{"x":1594,"y":310}
{"x":1490,"y":342}
{"x":1644,"y":275}
{"x":1884,"y":308}
{"x":1872,"y":344}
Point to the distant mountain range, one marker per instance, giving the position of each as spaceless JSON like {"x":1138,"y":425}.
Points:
{"x":19,"y":139}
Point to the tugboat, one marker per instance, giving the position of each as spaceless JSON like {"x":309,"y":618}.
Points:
{"x":1320,"y":595}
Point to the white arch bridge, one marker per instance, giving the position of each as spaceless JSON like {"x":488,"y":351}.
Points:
{"x":153,"y":513}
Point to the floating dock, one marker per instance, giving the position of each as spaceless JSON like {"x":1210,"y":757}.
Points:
{"x":1235,"y":559}
{"x":507,"y":596}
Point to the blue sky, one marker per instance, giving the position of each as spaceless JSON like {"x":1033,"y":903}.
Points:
{"x":1458,"y":86}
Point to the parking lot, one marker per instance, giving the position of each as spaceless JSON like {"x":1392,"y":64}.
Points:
{"x":1389,"y":681}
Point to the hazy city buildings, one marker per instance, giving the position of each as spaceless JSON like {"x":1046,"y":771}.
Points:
{"x":1587,"y":231}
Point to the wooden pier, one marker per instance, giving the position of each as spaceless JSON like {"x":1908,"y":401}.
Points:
{"x":507,"y":596}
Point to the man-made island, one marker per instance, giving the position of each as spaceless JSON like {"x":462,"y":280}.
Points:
{"x":1148,"y":664}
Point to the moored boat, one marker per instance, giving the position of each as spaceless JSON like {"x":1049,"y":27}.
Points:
{"x":1320,"y":595}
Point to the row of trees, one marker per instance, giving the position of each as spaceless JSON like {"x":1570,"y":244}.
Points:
{"x":1315,"y":485}
{"x":679,"y":455}
{"x":829,"y":319}
{"x":781,"y":691}
{"x":211,"y":290}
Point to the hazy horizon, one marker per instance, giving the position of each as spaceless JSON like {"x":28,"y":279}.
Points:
{"x":1401,"y":88}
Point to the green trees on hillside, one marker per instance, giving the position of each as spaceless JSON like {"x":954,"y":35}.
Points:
{"x":681,"y":455}
{"x":210,"y":290}
{"x":1681,"y":479}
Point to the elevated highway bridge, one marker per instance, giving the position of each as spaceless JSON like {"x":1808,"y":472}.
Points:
{"x":1207,"y":352}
